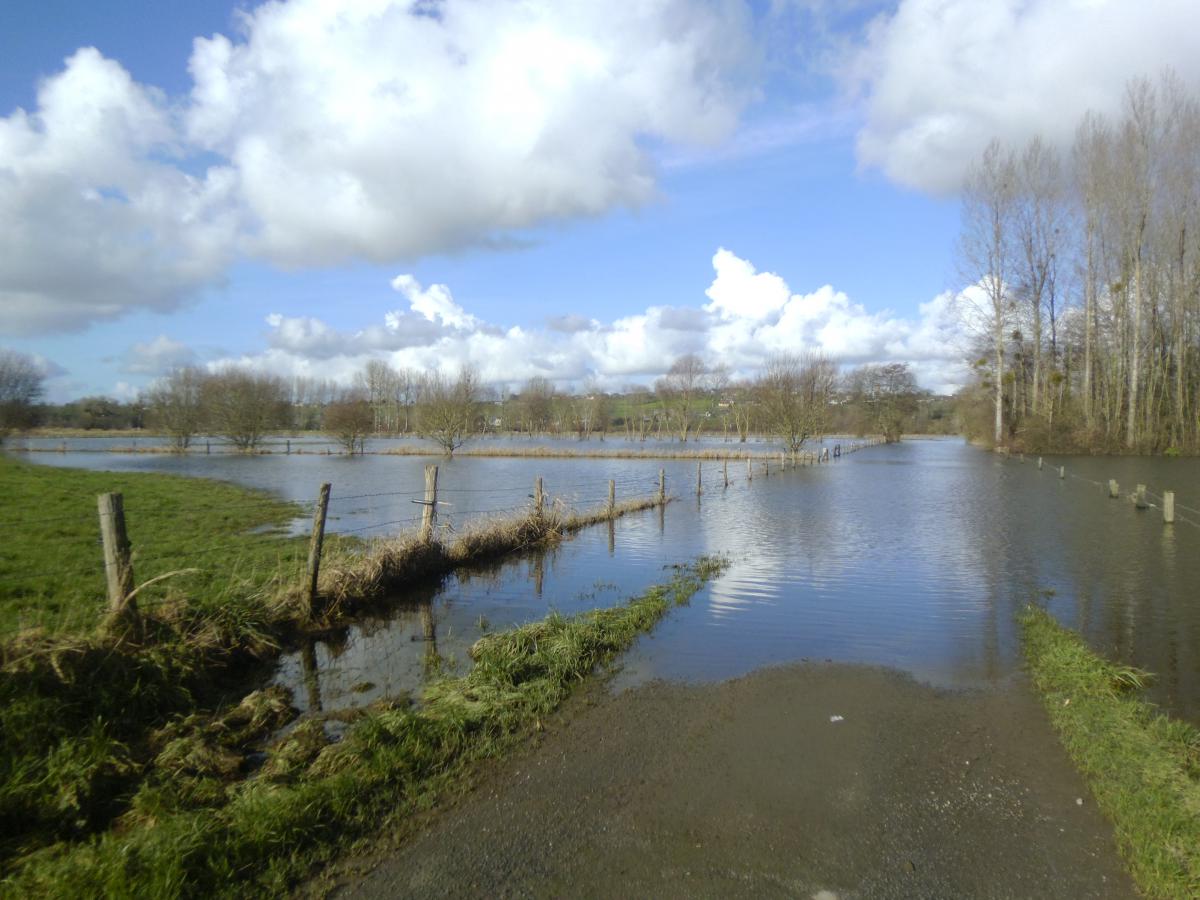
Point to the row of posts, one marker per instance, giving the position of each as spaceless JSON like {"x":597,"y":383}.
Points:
{"x":118,"y":566}
{"x":1138,"y":497}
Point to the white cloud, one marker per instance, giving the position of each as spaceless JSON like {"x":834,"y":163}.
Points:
{"x":751,"y":315}
{"x":379,"y":130}
{"x":372,"y":131}
{"x":156,"y":357}
{"x":94,"y":224}
{"x":943,"y":77}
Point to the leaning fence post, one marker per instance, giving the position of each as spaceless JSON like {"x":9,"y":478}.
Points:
{"x":1168,"y":507}
{"x":429,"y":504}
{"x":1114,"y":489}
{"x":118,"y":571}
{"x":315,"y":542}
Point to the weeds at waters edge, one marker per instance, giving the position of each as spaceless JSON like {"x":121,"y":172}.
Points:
{"x":1143,"y":767}
{"x":352,"y":578}
{"x":310,"y":799}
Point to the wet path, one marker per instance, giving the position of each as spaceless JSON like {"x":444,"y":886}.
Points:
{"x":747,"y":788}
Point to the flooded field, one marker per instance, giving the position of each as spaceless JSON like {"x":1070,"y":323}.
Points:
{"x":913,"y":556}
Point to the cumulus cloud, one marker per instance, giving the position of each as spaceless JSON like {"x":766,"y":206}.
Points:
{"x":380,"y":131}
{"x":940,"y":78}
{"x":94,"y":223}
{"x":322,"y":133}
{"x":750,"y":316}
{"x":156,"y":357}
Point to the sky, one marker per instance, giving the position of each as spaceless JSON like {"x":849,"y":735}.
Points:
{"x":574,"y":189}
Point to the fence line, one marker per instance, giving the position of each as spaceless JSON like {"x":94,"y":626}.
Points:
{"x":1166,"y":501}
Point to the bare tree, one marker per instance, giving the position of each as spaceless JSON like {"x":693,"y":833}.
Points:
{"x":349,"y":419}
{"x":244,"y":406}
{"x":985,"y":255}
{"x":681,"y":390}
{"x":448,"y":414}
{"x":794,"y":393}
{"x":888,"y":395}
{"x":21,"y":384}
{"x":536,"y":404}
{"x":176,"y":405}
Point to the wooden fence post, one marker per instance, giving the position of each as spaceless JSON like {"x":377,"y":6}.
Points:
{"x":1139,"y":497}
{"x":612,"y":498}
{"x":539,"y":497}
{"x":429,"y":504}
{"x":662,"y":486}
{"x":699,"y":486}
{"x":749,"y":469}
{"x":1114,"y":489}
{"x":1062,"y":471}
{"x":1039,"y":464}
{"x":725,"y":471}
{"x":1168,"y":507}
{"x":118,"y":571}
{"x":315,"y":542}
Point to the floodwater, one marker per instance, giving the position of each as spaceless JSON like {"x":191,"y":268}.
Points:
{"x":914,"y":556}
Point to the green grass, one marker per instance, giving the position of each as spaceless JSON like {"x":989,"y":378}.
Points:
{"x":1143,"y":767}
{"x":52,"y":567}
{"x":188,"y":833}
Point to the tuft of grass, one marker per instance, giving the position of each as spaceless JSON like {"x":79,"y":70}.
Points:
{"x":311,"y":797}
{"x":1142,"y":766}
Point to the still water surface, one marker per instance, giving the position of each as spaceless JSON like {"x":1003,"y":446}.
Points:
{"x":915,"y":556}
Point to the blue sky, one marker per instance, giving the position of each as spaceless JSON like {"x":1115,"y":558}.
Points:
{"x":251,"y":198}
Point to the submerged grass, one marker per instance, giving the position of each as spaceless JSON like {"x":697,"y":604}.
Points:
{"x":1143,"y":767}
{"x":312,"y":798}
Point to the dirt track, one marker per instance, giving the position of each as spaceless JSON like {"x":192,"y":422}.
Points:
{"x":748,"y":789}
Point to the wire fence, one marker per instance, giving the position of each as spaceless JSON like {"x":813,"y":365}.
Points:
{"x":1178,"y":508}
{"x":170,"y":538}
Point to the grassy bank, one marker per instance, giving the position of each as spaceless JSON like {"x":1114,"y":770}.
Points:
{"x":98,"y":724}
{"x":1142,"y":766}
{"x":194,"y":831}
{"x":52,"y":567}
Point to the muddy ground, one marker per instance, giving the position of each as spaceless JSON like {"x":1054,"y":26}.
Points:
{"x":748,"y":789}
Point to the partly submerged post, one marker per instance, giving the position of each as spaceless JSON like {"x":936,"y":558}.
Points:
{"x":662,"y":486}
{"x":1168,"y":507}
{"x":1114,"y":489}
{"x":699,"y":487}
{"x":725,"y":471}
{"x":1062,"y":471}
{"x":429,"y":504}
{"x":1039,"y":464}
{"x":118,"y":571}
{"x":749,"y":469}
{"x":612,"y":498}
{"x":315,"y":542}
{"x":1139,"y":497}
{"x":539,"y":497}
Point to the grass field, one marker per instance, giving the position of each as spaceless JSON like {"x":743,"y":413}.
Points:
{"x":51,"y":565}
{"x":1143,"y":767}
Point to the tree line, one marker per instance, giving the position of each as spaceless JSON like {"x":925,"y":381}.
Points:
{"x":1086,"y":272}
{"x":794,"y":398}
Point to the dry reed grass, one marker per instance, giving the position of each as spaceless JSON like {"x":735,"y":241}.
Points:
{"x":352,"y":579}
